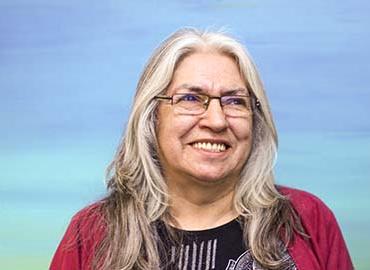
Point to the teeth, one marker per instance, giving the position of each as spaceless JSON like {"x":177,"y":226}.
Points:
{"x":212,"y":147}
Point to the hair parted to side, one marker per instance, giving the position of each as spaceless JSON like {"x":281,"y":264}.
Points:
{"x":138,"y":194}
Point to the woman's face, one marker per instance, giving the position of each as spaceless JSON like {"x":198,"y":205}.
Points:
{"x":210,"y":147}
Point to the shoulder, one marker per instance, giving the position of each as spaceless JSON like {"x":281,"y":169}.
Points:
{"x":90,"y":214}
{"x":316,"y":217}
{"x":324,"y":247}
{"x":306,"y":204}
{"x":82,"y":237}
{"x":88,"y":223}
{"x":298,"y":195}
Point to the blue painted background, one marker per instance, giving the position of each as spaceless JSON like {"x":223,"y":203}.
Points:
{"x":68,"y":71}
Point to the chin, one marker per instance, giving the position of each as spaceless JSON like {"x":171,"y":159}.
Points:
{"x":211,"y":179}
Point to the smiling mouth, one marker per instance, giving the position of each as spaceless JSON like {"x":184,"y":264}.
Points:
{"x":211,"y":147}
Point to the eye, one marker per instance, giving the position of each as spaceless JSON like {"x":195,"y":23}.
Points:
{"x":234,"y":100}
{"x":188,"y":98}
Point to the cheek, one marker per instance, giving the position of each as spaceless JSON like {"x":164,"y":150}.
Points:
{"x":242,"y":131}
{"x":172,"y":130}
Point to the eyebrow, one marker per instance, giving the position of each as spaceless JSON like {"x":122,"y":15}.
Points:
{"x":200,"y":90}
{"x":192,"y":88}
{"x":237,"y":91}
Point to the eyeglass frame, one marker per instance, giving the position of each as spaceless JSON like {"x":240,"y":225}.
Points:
{"x":255,"y":104}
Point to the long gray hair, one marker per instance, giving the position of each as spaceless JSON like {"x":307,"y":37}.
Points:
{"x":138,"y":194}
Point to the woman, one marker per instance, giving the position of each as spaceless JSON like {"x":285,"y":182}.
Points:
{"x":192,"y":183}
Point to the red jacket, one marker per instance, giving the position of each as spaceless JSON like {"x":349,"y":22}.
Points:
{"x":324,"y":250}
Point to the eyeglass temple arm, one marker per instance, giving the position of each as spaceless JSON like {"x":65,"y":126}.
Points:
{"x":257,"y":102}
{"x":163,"y":97}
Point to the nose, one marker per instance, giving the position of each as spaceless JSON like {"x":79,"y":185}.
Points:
{"x":214,"y":117}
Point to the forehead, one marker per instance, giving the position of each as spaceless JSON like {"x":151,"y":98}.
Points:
{"x":213,"y":73}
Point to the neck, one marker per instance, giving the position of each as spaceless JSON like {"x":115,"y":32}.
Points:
{"x":202,"y":206}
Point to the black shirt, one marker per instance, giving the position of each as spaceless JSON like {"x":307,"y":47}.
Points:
{"x":220,"y":248}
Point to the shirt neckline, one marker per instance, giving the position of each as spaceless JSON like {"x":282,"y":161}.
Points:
{"x":217,"y":229}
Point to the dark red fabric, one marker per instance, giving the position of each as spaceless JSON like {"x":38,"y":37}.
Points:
{"x":79,"y":243}
{"x":324,"y":250}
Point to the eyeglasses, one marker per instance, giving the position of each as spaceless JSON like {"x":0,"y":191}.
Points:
{"x":196,"y":104}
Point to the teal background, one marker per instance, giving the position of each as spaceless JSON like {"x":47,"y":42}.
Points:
{"x":68,"y":71}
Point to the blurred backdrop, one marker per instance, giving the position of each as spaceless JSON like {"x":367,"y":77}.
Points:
{"x":68,"y":71}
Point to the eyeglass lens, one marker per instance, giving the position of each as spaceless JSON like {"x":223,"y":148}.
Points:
{"x":193,"y":104}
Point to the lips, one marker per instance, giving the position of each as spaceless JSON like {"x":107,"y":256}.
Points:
{"x":211,"y":146}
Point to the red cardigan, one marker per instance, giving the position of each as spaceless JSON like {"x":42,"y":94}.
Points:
{"x":324,"y":250}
